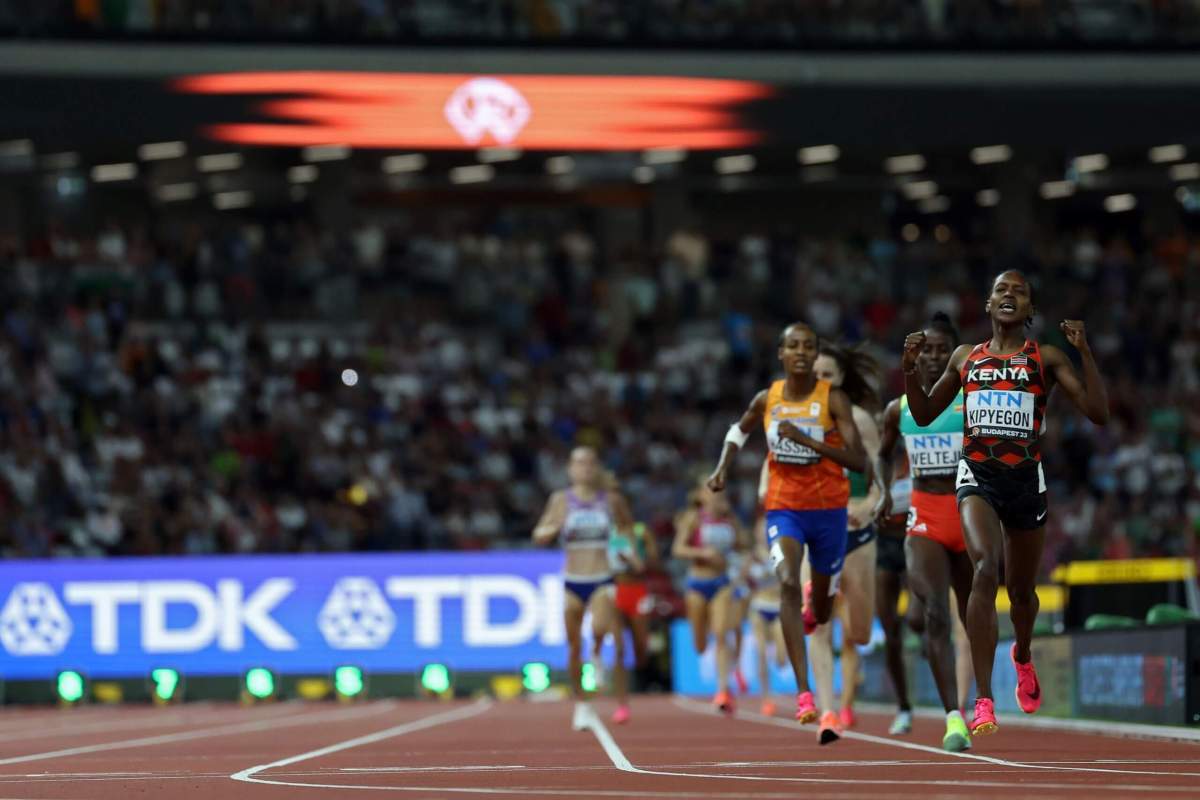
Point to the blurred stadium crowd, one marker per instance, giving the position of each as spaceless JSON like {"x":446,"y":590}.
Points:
{"x":649,"y":22}
{"x":205,"y":385}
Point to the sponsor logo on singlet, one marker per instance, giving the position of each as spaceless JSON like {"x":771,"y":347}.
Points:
{"x":931,"y":454}
{"x":787,"y":451}
{"x":1000,"y":413}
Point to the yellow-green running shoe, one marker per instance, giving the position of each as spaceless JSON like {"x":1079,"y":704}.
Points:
{"x":957,"y":739}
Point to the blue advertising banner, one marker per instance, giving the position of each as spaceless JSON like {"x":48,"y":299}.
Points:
{"x":697,"y":675}
{"x":295,"y":614}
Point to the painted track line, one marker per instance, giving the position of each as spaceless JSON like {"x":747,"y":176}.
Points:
{"x":1125,"y":730}
{"x":702,"y":708}
{"x":180,"y":718}
{"x":475,"y":709}
{"x":272,"y":723}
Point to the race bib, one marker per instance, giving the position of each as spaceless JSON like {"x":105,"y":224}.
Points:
{"x":933,"y":454}
{"x":788,"y":452}
{"x":965,"y":476}
{"x":1000,"y":413}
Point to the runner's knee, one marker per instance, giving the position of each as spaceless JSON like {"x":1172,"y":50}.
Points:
{"x":1022,"y":596}
{"x":937,"y":620}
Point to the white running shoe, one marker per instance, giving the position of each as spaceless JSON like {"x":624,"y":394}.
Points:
{"x":598,"y":671}
{"x":582,"y":716}
{"x":902,"y":724}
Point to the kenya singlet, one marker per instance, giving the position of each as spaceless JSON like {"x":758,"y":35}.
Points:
{"x":1005,"y":405}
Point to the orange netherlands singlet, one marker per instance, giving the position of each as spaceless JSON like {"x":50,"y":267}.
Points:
{"x":800,"y":479}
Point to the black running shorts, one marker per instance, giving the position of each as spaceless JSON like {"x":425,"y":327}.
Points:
{"x":1018,"y":494}
{"x":889,"y":554}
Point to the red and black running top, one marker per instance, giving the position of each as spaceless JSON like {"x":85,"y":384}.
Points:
{"x":1005,"y":403}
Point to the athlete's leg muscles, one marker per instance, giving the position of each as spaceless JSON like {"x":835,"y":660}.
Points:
{"x":791,"y":609}
{"x":857,"y":614}
{"x":985,"y":542}
{"x":697,"y":614}
{"x":960,"y":580}
{"x":722,"y":611}
{"x":762,"y":640}
{"x":929,"y":578}
{"x":887,"y":597}
{"x":1022,"y":560}
{"x":605,"y":619}
{"x":820,"y":650}
{"x":573,"y":620}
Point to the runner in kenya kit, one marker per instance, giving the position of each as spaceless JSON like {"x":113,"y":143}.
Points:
{"x":1000,"y":485}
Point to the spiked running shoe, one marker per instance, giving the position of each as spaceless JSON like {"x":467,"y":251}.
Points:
{"x":724,"y":702}
{"x":1028,"y":691}
{"x":984,"y":721}
{"x":902,"y":724}
{"x":768,"y":709}
{"x":831,"y":728}
{"x":848,"y":717}
{"x":957,"y":738}
{"x":621,"y":715}
{"x":806,"y":709}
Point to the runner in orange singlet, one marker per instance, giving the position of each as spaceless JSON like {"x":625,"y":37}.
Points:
{"x":812,"y":438}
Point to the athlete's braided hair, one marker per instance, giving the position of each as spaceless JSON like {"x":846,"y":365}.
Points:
{"x":941,"y":323}
{"x":859,"y":370}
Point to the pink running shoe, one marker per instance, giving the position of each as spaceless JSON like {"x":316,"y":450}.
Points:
{"x":621,"y":715}
{"x":806,"y":709}
{"x":810,"y":614}
{"x":1028,"y":691}
{"x":848,"y":718}
{"x":984,"y":721}
{"x":740,"y":680}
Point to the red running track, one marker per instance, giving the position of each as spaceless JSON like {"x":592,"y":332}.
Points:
{"x":673,"y":748}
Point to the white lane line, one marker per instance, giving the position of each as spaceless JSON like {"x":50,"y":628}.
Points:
{"x":272,"y":723}
{"x":143,"y":721}
{"x":821,"y":764}
{"x":705,"y":709}
{"x":1121,"y":730}
{"x":596,"y":726}
{"x":475,"y":709}
{"x":473,"y":768}
{"x":618,"y":758}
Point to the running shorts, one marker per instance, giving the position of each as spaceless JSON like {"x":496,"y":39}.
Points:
{"x":1018,"y":494}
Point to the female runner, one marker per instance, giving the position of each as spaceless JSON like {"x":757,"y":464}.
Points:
{"x":708,"y":536}
{"x":582,"y":517}
{"x":764,"y":606}
{"x":850,"y":371}
{"x":811,"y":437}
{"x":935,"y":553}
{"x":1000,"y":484}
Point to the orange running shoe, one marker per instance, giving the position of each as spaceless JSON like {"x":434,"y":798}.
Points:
{"x":848,"y":717}
{"x":810,"y":614}
{"x":724,"y":702}
{"x":806,"y":709}
{"x":984,"y":721}
{"x":831,"y":728}
{"x":768,"y":709}
{"x":1028,"y":691}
